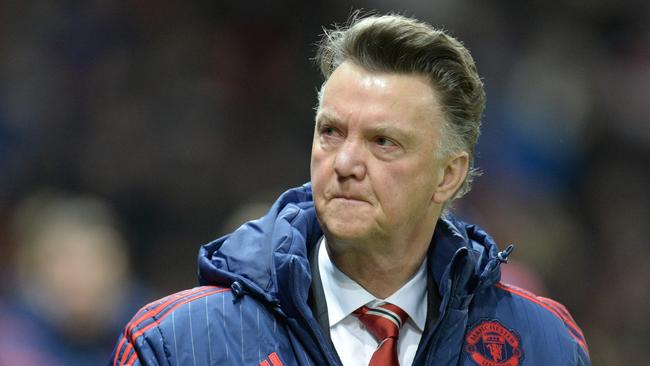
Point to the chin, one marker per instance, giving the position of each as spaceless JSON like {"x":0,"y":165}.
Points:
{"x":347,"y":230}
{"x":346,"y":220}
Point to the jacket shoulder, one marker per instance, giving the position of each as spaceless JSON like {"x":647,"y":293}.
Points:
{"x":549,"y":314}
{"x":143,"y":340}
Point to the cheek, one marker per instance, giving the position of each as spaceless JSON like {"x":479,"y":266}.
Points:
{"x":318,"y":152}
{"x":314,"y":164}
{"x":389,"y":187}
{"x":404,"y":186}
{"x":317,"y":169}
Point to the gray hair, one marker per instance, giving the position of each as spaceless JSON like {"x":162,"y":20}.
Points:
{"x":394,"y":43}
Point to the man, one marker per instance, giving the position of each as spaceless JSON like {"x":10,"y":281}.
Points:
{"x":361,"y":266}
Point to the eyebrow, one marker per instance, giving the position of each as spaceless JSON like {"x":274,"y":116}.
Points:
{"x":381,"y":128}
{"x":325,"y":116}
{"x":387,"y":129}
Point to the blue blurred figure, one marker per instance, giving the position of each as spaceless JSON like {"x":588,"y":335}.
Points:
{"x":72,"y":288}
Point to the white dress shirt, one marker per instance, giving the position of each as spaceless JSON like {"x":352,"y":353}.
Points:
{"x":353,"y":343}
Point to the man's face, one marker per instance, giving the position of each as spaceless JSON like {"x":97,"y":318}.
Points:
{"x":374,"y":169}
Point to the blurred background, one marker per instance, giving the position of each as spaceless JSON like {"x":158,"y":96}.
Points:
{"x":132,"y":132}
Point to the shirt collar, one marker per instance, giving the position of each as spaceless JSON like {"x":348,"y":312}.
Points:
{"x":343,"y":295}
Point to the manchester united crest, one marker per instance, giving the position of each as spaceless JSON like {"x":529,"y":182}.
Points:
{"x":489,"y":343}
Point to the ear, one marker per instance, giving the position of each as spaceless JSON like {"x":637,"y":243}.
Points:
{"x":454,"y":172}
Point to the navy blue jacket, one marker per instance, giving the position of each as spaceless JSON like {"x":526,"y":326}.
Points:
{"x":252,"y":306}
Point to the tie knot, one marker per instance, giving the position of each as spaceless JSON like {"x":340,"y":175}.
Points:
{"x":383,"y":321}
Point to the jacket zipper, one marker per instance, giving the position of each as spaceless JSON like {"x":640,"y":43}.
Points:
{"x":319,"y":342}
{"x":443,"y":318}
{"x":312,"y":328}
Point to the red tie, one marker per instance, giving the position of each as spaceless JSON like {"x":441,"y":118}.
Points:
{"x":383,"y":322}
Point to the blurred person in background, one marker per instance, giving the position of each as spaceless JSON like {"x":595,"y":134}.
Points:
{"x":365,"y":265}
{"x":72,"y":283}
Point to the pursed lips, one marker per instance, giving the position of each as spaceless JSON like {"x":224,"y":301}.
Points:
{"x":348,"y":197}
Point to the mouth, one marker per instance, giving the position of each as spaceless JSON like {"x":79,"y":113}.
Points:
{"x":348,"y":198}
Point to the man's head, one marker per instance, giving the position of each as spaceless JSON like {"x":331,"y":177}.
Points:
{"x":397,"y":121}
{"x":396,"y":44}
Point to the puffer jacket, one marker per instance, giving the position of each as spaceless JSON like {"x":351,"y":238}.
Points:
{"x":252,"y":304}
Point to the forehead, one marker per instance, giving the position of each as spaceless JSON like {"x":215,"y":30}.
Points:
{"x":353,"y":92}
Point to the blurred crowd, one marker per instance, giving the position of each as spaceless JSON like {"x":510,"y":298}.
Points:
{"x":132,"y":132}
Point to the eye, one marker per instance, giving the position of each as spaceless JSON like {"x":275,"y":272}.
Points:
{"x":385,"y":141}
{"x":327,"y":130}
{"x":329,"y":136}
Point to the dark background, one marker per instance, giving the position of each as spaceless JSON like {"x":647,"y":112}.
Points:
{"x":178,"y":114}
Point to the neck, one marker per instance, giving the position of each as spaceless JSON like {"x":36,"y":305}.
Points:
{"x":380,"y":268}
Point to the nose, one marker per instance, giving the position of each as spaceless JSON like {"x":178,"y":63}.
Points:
{"x":349,"y":161}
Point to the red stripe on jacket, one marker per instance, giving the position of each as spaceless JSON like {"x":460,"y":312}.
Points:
{"x":550,"y":305}
{"x":189,"y":295}
{"x":138,"y":317}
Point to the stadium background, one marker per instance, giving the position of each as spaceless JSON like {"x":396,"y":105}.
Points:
{"x":184,"y":117}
